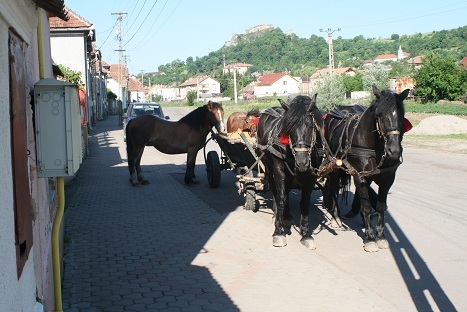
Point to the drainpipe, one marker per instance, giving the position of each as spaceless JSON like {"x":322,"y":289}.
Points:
{"x":60,"y":190}
{"x":56,"y":244}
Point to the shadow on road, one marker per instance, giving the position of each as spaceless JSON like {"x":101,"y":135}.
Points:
{"x":132,"y":248}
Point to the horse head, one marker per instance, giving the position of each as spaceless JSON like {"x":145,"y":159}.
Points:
{"x":250,"y":119}
{"x":216,"y":116}
{"x":299,"y":123}
{"x":389,"y":113}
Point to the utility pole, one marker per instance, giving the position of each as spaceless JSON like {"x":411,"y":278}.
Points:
{"x":235,"y":83}
{"x":120,"y":50}
{"x":142,"y":77}
{"x":331,"y":49}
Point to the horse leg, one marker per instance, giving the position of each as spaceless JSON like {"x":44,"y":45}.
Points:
{"x":381,"y":207}
{"x":134,"y":158}
{"x":190,"y":177}
{"x":330,"y":198}
{"x":278,"y":237}
{"x":288,"y":219}
{"x":139,"y":172}
{"x":306,"y":240}
{"x":369,"y":243}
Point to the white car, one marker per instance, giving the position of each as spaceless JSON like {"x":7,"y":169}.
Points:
{"x":137,"y":109}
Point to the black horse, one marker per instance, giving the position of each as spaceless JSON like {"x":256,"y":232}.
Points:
{"x":188,"y":135}
{"x":366,"y":144}
{"x":290,"y":137}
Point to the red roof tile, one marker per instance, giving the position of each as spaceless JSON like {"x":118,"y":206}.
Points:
{"x":75,"y":21}
{"x":269,"y":79}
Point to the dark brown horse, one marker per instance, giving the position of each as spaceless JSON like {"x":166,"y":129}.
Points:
{"x":366,"y":144}
{"x":290,"y":138}
{"x":242,"y":122}
{"x":188,"y":135}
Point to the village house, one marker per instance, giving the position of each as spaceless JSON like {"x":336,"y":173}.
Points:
{"x":29,"y":203}
{"x":204,"y":86}
{"x":392,"y":57}
{"x":320,"y":73}
{"x":166,"y":93}
{"x":240,"y":68}
{"x":276,"y":85}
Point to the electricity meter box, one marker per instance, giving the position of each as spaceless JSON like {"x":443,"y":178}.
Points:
{"x":58,"y":128}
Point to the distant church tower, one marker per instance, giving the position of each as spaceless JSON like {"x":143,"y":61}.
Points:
{"x":400,"y":54}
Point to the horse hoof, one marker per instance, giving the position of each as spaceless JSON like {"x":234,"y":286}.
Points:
{"x":279,"y":241}
{"x":144,"y":182}
{"x":308,"y":242}
{"x":134,"y":183}
{"x":191,"y":182}
{"x":382,"y":243}
{"x":370,"y":246}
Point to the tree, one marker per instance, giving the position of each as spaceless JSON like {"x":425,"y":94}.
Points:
{"x":353,"y":83}
{"x":440,"y":78}
{"x":394,"y":37}
{"x":191,"y":97}
{"x":377,"y":75}
{"x":331,"y":92}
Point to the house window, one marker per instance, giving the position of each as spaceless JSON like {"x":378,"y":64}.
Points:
{"x":19,"y":151}
{"x":284,"y":82}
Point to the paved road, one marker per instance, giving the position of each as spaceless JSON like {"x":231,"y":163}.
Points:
{"x":168,"y":247}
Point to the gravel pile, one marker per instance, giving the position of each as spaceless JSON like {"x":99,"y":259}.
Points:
{"x":440,"y":125}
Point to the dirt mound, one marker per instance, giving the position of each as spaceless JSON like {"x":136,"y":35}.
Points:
{"x":440,"y":125}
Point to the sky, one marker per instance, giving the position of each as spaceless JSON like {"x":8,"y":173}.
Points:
{"x":157,"y":32}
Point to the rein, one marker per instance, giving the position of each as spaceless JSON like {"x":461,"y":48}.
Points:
{"x":274,"y":146}
{"x":348,"y":150}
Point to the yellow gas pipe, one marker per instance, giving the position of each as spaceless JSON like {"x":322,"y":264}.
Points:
{"x":60,"y":191}
{"x":56,"y":243}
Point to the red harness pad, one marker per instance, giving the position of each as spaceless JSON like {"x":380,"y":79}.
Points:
{"x":407,"y":125}
{"x":284,"y":139}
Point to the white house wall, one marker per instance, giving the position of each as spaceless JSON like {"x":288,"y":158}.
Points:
{"x":20,"y":295}
{"x":278,"y":88}
{"x":69,"y":50}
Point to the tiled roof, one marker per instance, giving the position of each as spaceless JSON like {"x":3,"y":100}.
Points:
{"x":415,"y":60}
{"x":114,"y":74}
{"x":464,"y":61}
{"x":269,"y":79}
{"x":193,"y":81}
{"x":75,"y":21}
{"x":386,"y":57}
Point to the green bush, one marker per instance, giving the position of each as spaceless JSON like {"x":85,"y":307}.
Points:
{"x":191,"y":97}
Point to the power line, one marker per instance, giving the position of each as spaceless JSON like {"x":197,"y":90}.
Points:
{"x":141,"y":23}
{"x":136,"y":18}
{"x":141,"y":43}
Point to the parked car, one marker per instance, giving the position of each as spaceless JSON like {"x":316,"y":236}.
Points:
{"x":137,"y":109}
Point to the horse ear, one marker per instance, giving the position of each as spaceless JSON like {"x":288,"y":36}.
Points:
{"x":283,"y":104}
{"x":312,"y":102}
{"x":209,"y":105}
{"x":404,"y":94}
{"x":376,"y":92}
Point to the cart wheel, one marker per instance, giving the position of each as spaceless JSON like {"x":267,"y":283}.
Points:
{"x":213,"y":169}
{"x":250,"y":200}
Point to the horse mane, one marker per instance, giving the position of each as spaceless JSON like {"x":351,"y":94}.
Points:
{"x":254,"y":112}
{"x":384,"y":105}
{"x":196,"y":118}
{"x":296,"y":114}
